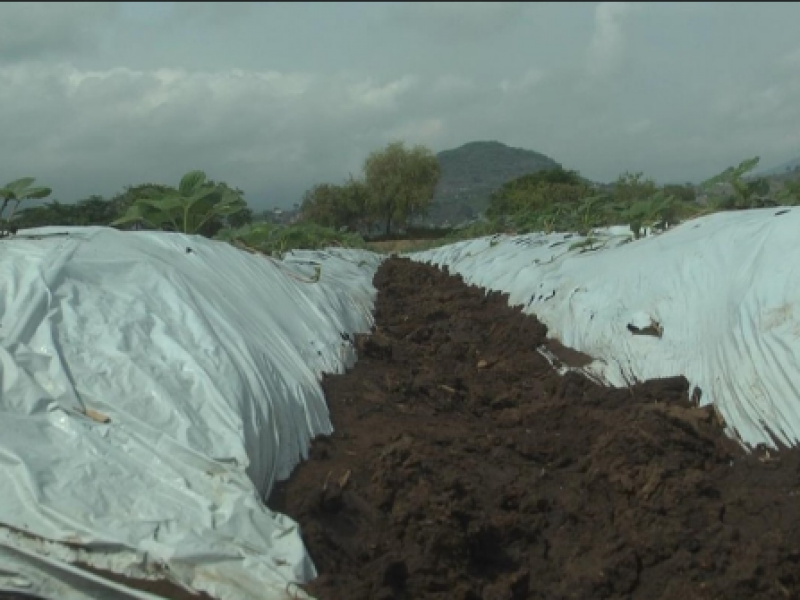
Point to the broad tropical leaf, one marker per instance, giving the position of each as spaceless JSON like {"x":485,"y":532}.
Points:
{"x":191,"y":182}
{"x":16,"y":187}
{"x":35,"y":193}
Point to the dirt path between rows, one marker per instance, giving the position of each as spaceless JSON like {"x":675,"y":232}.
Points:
{"x":464,"y":468}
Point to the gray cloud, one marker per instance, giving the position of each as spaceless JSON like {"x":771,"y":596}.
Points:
{"x":462,"y":21}
{"x":274,"y":98}
{"x":31,"y":30}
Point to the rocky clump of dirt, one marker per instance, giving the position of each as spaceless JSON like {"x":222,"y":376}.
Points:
{"x":464,"y":468}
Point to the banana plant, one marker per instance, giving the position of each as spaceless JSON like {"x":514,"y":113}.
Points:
{"x":17,"y":191}
{"x":186,"y":209}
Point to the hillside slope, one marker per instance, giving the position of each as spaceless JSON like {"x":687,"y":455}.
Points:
{"x":473,"y":171}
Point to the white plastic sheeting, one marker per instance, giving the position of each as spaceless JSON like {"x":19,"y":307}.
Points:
{"x":198,"y":366}
{"x":725,"y":289}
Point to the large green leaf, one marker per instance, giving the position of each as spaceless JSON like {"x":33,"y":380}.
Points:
{"x":191,"y":182}
{"x":133,"y":215}
{"x":200,"y":195}
{"x":16,"y":187}
{"x":124,"y":220}
{"x":35,"y":193}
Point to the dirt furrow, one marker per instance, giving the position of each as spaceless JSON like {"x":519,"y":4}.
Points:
{"x":463,"y":467}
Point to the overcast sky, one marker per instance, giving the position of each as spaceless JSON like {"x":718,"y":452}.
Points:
{"x":274,"y":98}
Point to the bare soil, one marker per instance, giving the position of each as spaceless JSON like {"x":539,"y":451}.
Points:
{"x":463,"y":467}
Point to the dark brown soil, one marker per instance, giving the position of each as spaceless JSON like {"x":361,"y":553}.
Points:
{"x":463,"y":467}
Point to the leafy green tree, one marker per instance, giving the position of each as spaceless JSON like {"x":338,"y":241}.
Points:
{"x":190,"y":207}
{"x":543,"y":192}
{"x":325,"y":205}
{"x":400,"y":183}
{"x":337,"y":206}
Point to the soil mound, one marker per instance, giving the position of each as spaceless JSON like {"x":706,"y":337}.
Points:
{"x":464,"y":468}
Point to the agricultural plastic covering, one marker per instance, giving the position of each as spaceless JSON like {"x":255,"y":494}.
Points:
{"x":153,"y":387}
{"x":725,"y":289}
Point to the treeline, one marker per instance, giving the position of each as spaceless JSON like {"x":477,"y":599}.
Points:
{"x":396,"y":187}
{"x":395,"y":191}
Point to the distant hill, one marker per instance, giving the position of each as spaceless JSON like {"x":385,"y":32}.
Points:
{"x":473,"y":171}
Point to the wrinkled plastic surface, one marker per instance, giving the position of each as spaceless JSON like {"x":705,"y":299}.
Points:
{"x":725,"y":289}
{"x":153,"y":387}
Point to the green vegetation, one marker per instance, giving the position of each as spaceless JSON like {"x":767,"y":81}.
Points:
{"x":398,"y":185}
{"x":188,"y":209}
{"x":545,"y":191}
{"x":790,"y":194}
{"x":730,"y":191}
{"x":338,"y":206}
{"x":17,"y":191}
{"x":559,"y":200}
{"x":276,"y":240}
{"x":196,"y":206}
{"x":471,"y":173}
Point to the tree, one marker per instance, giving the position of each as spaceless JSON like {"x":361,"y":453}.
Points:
{"x":338,"y":206}
{"x":400,"y":183}
{"x":543,"y":191}
{"x":324,"y":204}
